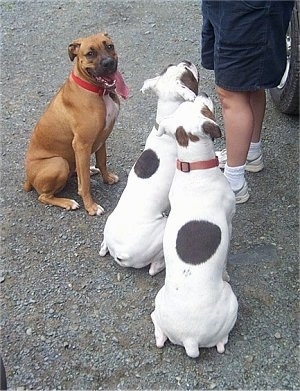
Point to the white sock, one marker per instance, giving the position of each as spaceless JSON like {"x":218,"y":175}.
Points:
{"x":254,"y":150}
{"x":235,"y":176}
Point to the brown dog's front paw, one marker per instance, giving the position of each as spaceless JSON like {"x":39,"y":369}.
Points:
{"x":110,"y":178}
{"x":95,"y":210}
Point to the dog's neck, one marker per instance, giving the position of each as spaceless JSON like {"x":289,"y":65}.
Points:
{"x":198,"y":165}
{"x":202,"y":150}
{"x":165,"y":108}
{"x":88,"y":86}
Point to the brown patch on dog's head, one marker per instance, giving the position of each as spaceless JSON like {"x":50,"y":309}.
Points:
{"x":183,"y":137}
{"x":208,"y":113}
{"x":212,"y":129}
{"x":189,"y":80}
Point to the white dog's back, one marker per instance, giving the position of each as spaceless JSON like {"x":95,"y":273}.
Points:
{"x":196,"y":308}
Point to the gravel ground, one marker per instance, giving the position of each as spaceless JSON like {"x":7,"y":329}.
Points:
{"x":73,"y":320}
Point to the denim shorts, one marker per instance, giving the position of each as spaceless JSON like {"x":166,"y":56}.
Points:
{"x":244,"y":42}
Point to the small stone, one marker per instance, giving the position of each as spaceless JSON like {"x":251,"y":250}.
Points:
{"x":2,"y":277}
{"x":29,"y":331}
{"x":277,"y":335}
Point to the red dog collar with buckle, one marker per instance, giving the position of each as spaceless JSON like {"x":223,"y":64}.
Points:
{"x":88,"y":86}
{"x":200,"y":165}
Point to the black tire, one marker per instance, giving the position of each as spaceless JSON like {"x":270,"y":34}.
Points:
{"x":286,"y":95}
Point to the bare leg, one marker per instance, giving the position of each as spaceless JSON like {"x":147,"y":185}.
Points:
{"x":258,"y":105}
{"x":239,"y":124}
{"x":243,"y":114}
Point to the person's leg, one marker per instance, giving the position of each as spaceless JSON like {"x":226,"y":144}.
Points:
{"x":243,"y":114}
{"x":258,"y":105}
{"x":239,"y":124}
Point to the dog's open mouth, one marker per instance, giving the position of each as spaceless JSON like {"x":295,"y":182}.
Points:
{"x":109,"y":83}
{"x":114,"y":82}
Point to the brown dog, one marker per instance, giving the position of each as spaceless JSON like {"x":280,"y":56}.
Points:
{"x":76,"y":124}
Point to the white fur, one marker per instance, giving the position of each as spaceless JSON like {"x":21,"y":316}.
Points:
{"x":133,"y":232}
{"x":196,"y":307}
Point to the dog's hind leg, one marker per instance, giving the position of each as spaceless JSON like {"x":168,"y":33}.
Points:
{"x":221,"y":345}
{"x":103,"y":249}
{"x":157,"y":266}
{"x":48,"y":177}
{"x":160,"y":337}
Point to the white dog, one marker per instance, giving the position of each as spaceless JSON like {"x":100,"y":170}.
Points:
{"x":133,"y":233}
{"x":196,"y":308}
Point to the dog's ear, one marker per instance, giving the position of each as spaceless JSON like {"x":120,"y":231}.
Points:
{"x":185,"y":92}
{"x":73,"y":49}
{"x":206,"y":112}
{"x":188,"y":79}
{"x":212,"y":129}
{"x":150,"y":84}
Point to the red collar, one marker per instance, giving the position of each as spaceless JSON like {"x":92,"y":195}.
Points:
{"x":88,"y":86}
{"x":200,"y":165}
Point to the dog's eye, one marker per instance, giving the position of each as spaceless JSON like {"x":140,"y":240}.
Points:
{"x":110,"y":47}
{"x":91,"y":53}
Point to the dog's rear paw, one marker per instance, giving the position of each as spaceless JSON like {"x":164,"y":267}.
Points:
{"x":156,"y":267}
{"x":94,"y":171}
{"x":220,"y":347}
{"x":103,"y":249}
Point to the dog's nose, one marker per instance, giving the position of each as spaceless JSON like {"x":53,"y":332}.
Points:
{"x":108,"y":63}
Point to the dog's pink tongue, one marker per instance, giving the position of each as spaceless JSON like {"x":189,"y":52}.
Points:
{"x":121,"y":87}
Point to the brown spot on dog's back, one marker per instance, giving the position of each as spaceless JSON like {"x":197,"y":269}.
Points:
{"x":183,"y":137}
{"x":208,"y":113}
{"x":147,"y":164}
{"x":197,"y":241}
{"x":212,"y":129}
{"x":189,"y":80}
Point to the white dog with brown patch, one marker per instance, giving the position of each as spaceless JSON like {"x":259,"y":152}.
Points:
{"x":196,"y":307}
{"x":133,"y":233}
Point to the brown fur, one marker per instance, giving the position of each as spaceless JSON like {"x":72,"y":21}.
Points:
{"x":71,"y":129}
{"x":188,"y":79}
{"x":183,"y":137}
{"x":207,"y":113}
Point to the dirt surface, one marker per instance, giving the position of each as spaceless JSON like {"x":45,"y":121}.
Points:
{"x":73,"y":320}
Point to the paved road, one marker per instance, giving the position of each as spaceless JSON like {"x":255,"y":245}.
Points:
{"x":73,"y":320}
